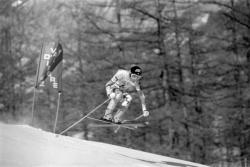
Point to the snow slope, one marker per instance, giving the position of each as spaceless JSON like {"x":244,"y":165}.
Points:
{"x":25,"y":146}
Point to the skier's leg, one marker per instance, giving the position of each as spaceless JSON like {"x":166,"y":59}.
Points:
{"x":112,"y":104}
{"x":127,"y":98}
{"x":110,"y":108}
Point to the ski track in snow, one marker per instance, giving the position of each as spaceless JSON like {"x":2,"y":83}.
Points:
{"x":25,"y":146}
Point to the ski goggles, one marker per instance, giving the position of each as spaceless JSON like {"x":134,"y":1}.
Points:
{"x":137,"y":77}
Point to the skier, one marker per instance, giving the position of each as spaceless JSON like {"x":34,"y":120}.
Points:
{"x":118,"y":88}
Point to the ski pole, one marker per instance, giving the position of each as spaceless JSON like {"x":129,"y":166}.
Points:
{"x":139,"y":117}
{"x":84,"y":117}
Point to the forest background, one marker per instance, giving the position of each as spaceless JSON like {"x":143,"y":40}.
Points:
{"x":196,"y":70}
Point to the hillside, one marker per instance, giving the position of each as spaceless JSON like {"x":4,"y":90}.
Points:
{"x":25,"y":146}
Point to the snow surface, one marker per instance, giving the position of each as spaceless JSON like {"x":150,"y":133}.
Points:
{"x":25,"y":146}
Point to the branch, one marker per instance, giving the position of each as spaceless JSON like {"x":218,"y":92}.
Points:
{"x":214,"y":2}
{"x":236,"y":20}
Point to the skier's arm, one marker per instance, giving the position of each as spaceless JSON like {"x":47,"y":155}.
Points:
{"x":112,"y":84}
{"x":142,"y":98}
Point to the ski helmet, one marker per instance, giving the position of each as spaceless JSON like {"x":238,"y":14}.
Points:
{"x":136,"y":70}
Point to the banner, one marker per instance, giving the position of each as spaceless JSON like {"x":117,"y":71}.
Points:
{"x":49,"y":73}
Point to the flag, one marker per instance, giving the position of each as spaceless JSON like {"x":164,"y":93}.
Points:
{"x":49,"y":71}
{"x":56,"y":58}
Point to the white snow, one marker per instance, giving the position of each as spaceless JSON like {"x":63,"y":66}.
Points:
{"x":25,"y":146}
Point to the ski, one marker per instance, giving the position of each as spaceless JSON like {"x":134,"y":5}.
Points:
{"x":133,"y":123}
{"x":109,"y":124}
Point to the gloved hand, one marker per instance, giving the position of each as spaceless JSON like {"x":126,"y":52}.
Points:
{"x":145,"y":113}
{"x":112,"y":95}
{"x":115,"y":86}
